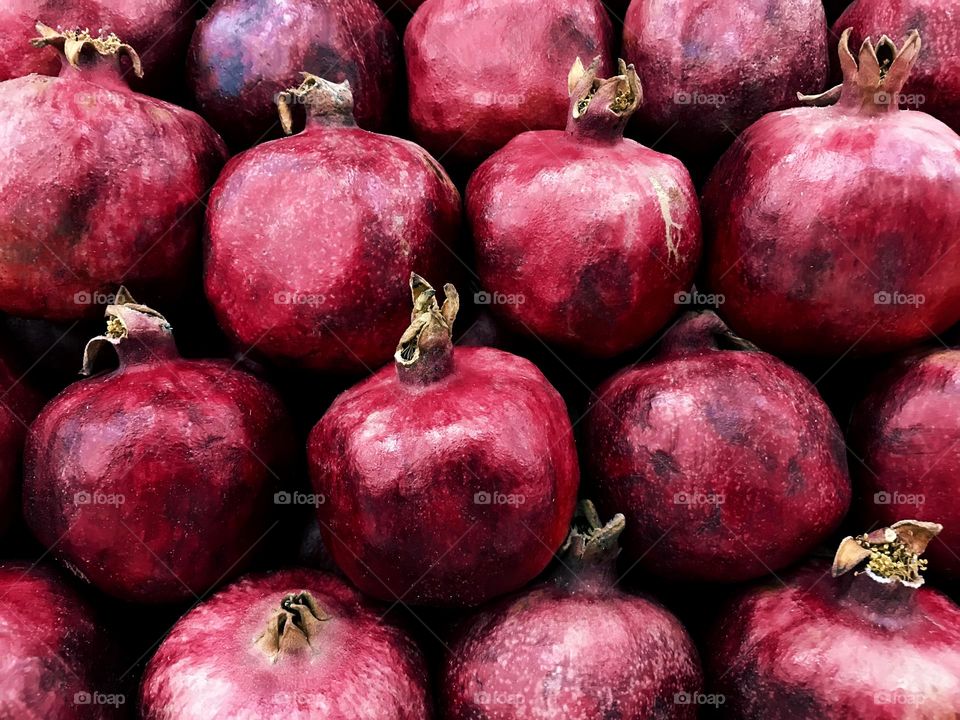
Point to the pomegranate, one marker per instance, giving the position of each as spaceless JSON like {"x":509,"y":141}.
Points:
{"x":708,"y":69}
{"x":573,"y":647}
{"x":480,"y":73}
{"x":19,"y":404}
{"x":871,"y":644}
{"x":158,"y":29}
{"x":56,"y":660}
{"x":721,"y":457}
{"x":297,"y":644}
{"x":583,"y":257}
{"x":245,"y":52}
{"x":802,"y":242}
{"x":154,"y":482}
{"x":907,"y":433}
{"x":448,"y":480}
{"x":325,"y":300}
{"x":100,"y":184}
{"x":934,"y":84}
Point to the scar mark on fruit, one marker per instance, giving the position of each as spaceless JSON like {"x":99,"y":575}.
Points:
{"x":671,"y":228}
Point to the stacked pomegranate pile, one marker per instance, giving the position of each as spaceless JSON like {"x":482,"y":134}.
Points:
{"x":546,"y":385}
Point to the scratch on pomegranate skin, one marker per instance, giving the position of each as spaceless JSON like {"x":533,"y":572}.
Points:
{"x":673,"y":230}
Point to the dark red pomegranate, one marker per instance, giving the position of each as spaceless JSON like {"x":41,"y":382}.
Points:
{"x":449,"y":479}
{"x":709,"y":68}
{"x":934,"y":84}
{"x":159,"y":30}
{"x":867,"y":644}
{"x":102,"y":185}
{"x":906,"y":434}
{"x":299,"y":274}
{"x":154,"y":482}
{"x":724,"y":460}
{"x":246,"y":52}
{"x":573,"y":647}
{"x":295,"y":644}
{"x":19,"y":404}
{"x":480,"y":73}
{"x":831,"y":230}
{"x":582,"y":257}
{"x":56,"y":658}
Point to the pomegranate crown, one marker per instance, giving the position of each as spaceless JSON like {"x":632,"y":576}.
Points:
{"x":602,"y":106}
{"x":125,"y":315}
{"x":322,"y":98}
{"x":293,"y":627}
{"x":889,"y":554}
{"x":425,"y":350}
{"x":589,"y":540}
{"x":873,"y":81}
{"x":74,"y":43}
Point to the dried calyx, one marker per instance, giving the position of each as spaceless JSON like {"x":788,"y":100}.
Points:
{"x":294,"y":627}
{"x":590,"y":542}
{"x":79,"y":44}
{"x":325,"y":102}
{"x":701,"y":331}
{"x":874,"y":82}
{"x":601,"y":107}
{"x":126,"y":317}
{"x":425,"y":351}
{"x":888,"y":555}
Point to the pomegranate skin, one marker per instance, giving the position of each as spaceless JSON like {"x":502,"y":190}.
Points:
{"x":210,"y":666}
{"x":935,"y":77}
{"x":157,"y":29}
{"x":19,"y":405}
{"x":450,"y":490}
{"x":480,"y":73}
{"x":54,"y":653}
{"x":572,"y":647}
{"x":726,"y":461}
{"x":707,"y":68}
{"x":155,"y":482}
{"x":595,"y":258}
{"x":245,"y":52}
{"x":907,"y":434}
{"x":815,"y":649}
{"x":325,"y":300}
{"x":120,"y":199}
{"x":801,"y":240}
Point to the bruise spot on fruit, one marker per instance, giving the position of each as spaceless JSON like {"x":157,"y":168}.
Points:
{"x":324,"y":61}
{"x":726,"y":423}
{"x":664,"y":463}
{"x":812,"y":266}
{"x":74,"y":220}
{"x":795,"y":480}
{"x":230,"y":74}
{"x":565,"y":32}
{"x":672,"y":230}
{"x":890,"y":249}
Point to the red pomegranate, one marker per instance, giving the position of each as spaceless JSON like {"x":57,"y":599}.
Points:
{"x":573,"y":646}
{"x":907,"y":434}
{"x":304,"y":277}
{"x":158,"y":29}
{"x":480,"y":73}
{"x":868,"y":644}
{"x":721,"y":457}
{"x":101,"y":184}
{"x":831,"y":229}
{"x":246,"y":52}
{"x":579,"y":256}
{"x":450,"y":479}
{"x":19,"y":404}
{"x":708,"y":69}
{"x":155,"y":481}
{"x":293,"y":644}
{"x":934,"y":84}
{"x":56,"y":659}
